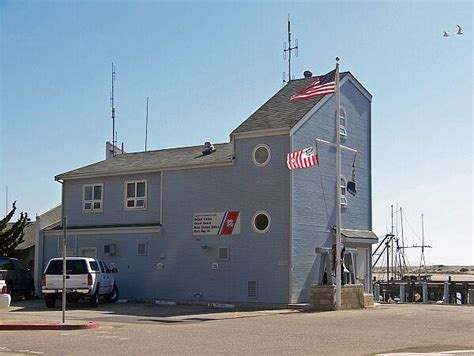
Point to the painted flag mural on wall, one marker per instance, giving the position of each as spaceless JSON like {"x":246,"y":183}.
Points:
{"x":322,"y":86}
{"x":302,"y":159}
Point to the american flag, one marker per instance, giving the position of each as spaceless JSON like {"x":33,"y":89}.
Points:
{"x":322,"y":86}
{"x":302,"y":159}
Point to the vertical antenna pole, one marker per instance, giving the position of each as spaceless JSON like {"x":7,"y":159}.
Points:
{"x":146,"y":124}
{"x":113,"y":110}
{"x":289,"y":49}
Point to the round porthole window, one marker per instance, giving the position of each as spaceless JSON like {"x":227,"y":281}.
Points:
{"x":261,"y":155}
{"x":261,"y":222}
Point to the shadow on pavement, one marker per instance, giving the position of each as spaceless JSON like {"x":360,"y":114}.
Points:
{"x":148,"y":310}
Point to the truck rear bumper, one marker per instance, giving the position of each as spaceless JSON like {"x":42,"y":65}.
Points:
{"x":68,"y":291}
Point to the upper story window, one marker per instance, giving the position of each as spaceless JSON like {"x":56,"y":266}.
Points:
{"x":261,"y":222}
{"x":342,"y":123}
{"x":92,"y":197}
{"x":261,"y":155}
{"x":135,"y":194}
{"x":343,"y":191}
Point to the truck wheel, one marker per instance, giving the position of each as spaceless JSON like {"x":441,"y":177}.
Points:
{"x":94,"y":302}
{"x":50,"y":302}
{"x":30,"y":292}
{"x":112,"y":296}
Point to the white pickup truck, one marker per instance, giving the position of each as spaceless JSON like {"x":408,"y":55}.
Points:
{"x":86,"y":278}
{"x":5,"y":297}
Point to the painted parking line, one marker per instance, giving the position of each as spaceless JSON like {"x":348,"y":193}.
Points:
{"x":451,"y":352}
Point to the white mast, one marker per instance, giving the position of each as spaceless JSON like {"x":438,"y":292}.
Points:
{"x":338,"y":147}
{"x":338,"y":190}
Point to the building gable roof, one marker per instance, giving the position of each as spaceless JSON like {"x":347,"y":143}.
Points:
{"x":48,"y":218}
{"x":279,"y":112}
{"x":173,"y":158}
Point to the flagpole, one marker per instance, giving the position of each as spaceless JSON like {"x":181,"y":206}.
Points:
{"x":338,"y":190}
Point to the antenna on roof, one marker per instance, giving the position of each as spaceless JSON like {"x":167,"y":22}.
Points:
{"x":6,"y":201}
{"x":288,"y":49}
{"x":146,"y":124}
{"x":114,"y":141}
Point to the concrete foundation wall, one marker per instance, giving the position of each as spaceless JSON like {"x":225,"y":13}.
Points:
{"x":323,"y":298}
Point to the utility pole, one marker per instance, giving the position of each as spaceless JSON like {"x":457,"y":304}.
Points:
{"x":63,"y":306}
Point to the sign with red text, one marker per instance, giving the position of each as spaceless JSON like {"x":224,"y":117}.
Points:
{"x":220,"y":223}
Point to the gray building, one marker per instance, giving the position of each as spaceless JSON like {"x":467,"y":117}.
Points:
{"x":235,"y":225}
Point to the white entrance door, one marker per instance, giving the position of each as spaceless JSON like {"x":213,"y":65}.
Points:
{"x":362,"y":262}
{"x":88,"y":252}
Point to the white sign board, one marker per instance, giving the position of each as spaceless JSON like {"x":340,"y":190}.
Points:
{"x":220,"y":223}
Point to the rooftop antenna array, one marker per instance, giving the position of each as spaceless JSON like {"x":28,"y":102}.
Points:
{"x":114,"y":134}
{"x":287,"y":49}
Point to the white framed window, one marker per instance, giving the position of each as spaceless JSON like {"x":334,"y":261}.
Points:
{"x":343,"y":184}
{"x":261,"y":155}
{"x":135,"y":195}
{"x":92,"y":197}
{"x":261,"y":222}
{"x":223,"y":254}
{"x":141,"y":249}
{"x":342,"y":123}
{"x":88,"y":252}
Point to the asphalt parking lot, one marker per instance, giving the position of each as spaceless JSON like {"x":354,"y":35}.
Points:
{"x":140,"y":328}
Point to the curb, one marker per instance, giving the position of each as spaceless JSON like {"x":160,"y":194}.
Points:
{"x":90,"y":325}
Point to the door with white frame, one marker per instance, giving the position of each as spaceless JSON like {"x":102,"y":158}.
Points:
{"x":362,"y":263}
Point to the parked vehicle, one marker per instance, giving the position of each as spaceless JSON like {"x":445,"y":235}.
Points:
{"x":5,"y":298}
{"x":86,"y":278}
{"x":18,"y":279}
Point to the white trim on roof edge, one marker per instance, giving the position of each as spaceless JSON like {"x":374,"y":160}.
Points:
{"x":261,"y":133}
{"x":152,"y":170}
{"x":106,"y":230}
{"x":310,"y":113}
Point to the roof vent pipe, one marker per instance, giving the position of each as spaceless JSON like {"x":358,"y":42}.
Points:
{"x":208,"y":148}
{"x":307,"y":74}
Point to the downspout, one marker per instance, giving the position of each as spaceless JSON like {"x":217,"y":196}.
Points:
{"x":62,"y":202}
{"x":62,"y":198}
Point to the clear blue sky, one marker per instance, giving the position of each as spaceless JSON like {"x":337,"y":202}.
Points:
{"x":207,"y":65}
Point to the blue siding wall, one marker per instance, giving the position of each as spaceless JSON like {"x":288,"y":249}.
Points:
{"x":313,"y":189}
{"x":187,"y":266}
{"x":113,"y":202}
{"x":253,"y":257}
